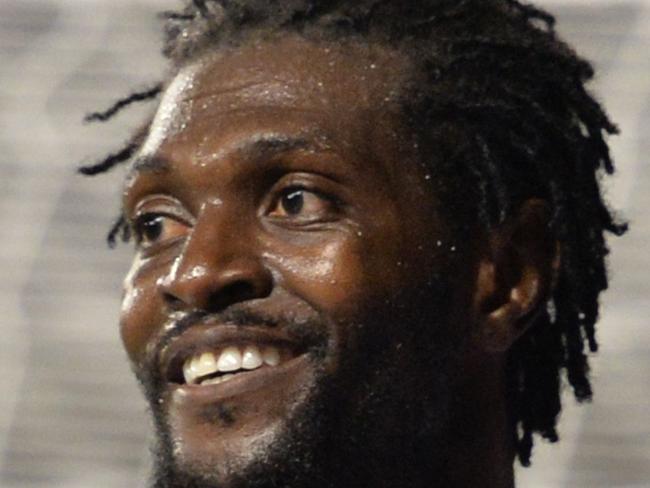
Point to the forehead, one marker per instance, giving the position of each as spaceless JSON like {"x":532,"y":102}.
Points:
{"x":325,"y":82}
{"x":295,"y":66}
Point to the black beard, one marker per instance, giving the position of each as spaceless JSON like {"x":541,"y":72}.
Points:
{"x":390,"y":432}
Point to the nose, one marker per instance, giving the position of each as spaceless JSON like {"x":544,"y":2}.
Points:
{"x":217,"y":267}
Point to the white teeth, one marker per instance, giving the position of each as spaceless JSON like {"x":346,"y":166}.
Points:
{"x":207,"y":364}
{"x":198,"y":366}
{"x":230,"y":359}
{"x":218,"y":379}
{"x":251,"y":359}
{"x":271,"y":356}
{"x":188,"y":373}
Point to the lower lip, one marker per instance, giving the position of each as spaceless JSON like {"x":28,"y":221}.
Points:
{"x":260,"y":379}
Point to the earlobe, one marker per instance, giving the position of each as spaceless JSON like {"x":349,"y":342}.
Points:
{"x":502,"y":325}
{"x":515,"y":277}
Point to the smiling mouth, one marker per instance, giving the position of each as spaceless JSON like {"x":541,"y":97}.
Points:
{"x":214,"y":367}
{"x":212,"y":355}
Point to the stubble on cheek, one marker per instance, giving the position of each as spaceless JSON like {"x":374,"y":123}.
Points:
{"x":272,"y":457}
{"x":331,"y":426}
{"x":190,"y":444}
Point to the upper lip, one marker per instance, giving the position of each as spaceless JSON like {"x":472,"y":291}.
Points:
{"x":205,"y":337}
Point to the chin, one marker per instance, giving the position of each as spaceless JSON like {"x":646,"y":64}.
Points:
{"x":346,"y":413}
{"x":327,"y":436}
{"x":256,"y":439}
{"x":226,"y":429}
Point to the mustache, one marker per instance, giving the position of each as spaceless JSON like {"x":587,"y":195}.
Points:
{"x":182,"y":321}
{"x":310,"y":332}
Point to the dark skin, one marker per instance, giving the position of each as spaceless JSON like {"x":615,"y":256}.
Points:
{"x":277,"y":179}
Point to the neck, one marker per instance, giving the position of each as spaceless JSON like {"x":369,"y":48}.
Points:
{"x":482,"y":451}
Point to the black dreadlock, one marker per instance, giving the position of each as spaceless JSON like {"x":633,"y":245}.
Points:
{"x":105,"y":115}
{"x":126,"y":152}
{"x":501,"y":85}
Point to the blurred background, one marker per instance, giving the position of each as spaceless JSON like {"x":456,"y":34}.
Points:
{"x":70,"y":412}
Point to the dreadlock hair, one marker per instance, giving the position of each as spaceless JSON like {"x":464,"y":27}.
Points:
{"x":504,"y":103}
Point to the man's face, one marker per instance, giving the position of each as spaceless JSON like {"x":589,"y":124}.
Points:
{"x":291,"y":288}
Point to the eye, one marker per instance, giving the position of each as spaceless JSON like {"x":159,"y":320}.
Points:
{"x":155,"y":228}
{"x":301,"y":204}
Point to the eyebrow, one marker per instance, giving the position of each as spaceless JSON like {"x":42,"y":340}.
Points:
{"x":265,"y":146}
{"x":255,"y":149}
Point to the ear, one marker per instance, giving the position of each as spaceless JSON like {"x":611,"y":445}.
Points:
{"x":516,"y":276}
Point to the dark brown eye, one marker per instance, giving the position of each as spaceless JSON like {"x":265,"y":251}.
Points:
{"x":151,"y":229}
{"x":293,"y":203}
{"x":154,"y":228}
{"x":302,"y":204}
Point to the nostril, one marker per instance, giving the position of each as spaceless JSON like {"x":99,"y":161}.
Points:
{"x":217,"y":289}
{"x":238,"y":291}
{"x":172,"y":301}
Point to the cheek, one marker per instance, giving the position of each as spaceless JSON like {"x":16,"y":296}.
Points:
{"x":316,"y":273}
{"x":140,"y":309}
{"x":336,"y":277}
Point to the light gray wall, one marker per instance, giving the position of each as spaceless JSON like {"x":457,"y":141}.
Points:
{"x":70,"y":414}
